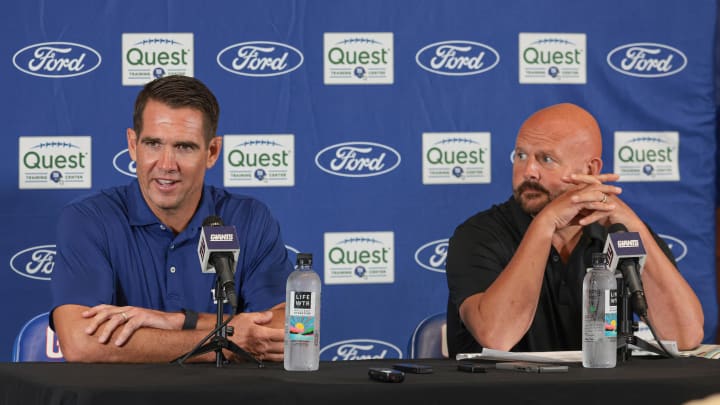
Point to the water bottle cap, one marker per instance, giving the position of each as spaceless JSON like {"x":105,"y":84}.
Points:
{"x":599,"y":260}
{"x":304,"y":259}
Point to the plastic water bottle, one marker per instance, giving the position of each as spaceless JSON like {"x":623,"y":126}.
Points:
{"x":599,"y":326}
{"x":302,"y":317}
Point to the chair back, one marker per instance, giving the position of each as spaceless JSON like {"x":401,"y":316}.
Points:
{"x":429,"y":339}
{"x":37,"y":342}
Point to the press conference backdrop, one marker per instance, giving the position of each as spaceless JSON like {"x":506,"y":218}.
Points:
{"x":371,"y":128}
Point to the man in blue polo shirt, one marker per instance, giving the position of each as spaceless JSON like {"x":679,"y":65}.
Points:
{"x":127,"y":285}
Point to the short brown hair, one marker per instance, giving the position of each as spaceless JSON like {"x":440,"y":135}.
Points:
{"x":178,"y":91}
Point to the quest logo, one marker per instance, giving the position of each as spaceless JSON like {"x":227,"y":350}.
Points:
{"x":123,"y":164}
{"x":259,"y":160}
{"x":360,"y":349}
{"x":647,"y":155}
{"x":260,"y":59}
{"x":358,"y":159}
{"x":57,"y":59}
{"x":36,"y":262}
{"x":457,"y":58}
{"x":54,"y":162}
{"x":647,"y":60}
{"x":359,"y":257}
{"x":677,"y":247}
{"x":433,"y":255}
{"x":150,"y":56}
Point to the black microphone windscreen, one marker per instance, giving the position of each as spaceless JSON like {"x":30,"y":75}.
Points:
{"x":213,"y":220}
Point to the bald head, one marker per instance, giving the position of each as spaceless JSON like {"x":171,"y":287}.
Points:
{"x":555,"y":142}
{"x":566,"y":123}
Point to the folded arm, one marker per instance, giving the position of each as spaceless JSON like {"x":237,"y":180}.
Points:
{"x":108,"y":333}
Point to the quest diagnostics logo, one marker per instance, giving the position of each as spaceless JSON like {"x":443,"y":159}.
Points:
{"x":359,"y":257}
{"x":360,"y":349}
{"x":57,"y":59}
{"x":149,"y":56}
{"x":259,"y":160}
{"x":260,"y":59}
{"x":552,"y":58}
{"x":433,"y":255}
{"x":54,"y":162}
{"x":457,"y":58}
{"x":357,"y":159}
{"x":647,"y":156}
{"x":36,"y":262}
{"x":647,"y":60}
{"x":358,"y":58}
{"x":456,"y":158}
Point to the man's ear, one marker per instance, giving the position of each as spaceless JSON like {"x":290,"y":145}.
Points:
{"x":595,"y":166}
{"x":214,"y":149}
{"x":132,"y":142}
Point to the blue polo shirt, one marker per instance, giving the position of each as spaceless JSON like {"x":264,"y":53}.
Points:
{"x":111,"y":249}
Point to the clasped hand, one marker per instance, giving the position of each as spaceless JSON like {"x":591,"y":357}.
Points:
{"x":588,"y":200}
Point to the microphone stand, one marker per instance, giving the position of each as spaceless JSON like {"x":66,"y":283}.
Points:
{"x":220,"y":339}
{"x":627,"y":327}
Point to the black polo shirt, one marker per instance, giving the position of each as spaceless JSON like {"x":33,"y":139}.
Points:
{"x":480,"y":249}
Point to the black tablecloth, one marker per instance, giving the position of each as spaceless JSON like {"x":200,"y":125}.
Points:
{"x":640,"y":381}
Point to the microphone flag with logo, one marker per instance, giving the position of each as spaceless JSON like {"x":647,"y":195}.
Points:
{"x":218,"y":251}
{"x":626,"y":253}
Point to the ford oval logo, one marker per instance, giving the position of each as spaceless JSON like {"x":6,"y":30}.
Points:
{"x":647,"y":60}
{"x":457,"y":58}
{"x":260,"y":59}
{"x":432,"y":255}
{"x":36,"y":262}
{"x":357,"y":159}
{"x":360,"y":349}
{"x":57,"y":59}
{"x":677,"y":247}
{"x":124,"y":164}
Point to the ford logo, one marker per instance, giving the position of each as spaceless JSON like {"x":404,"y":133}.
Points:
{"x":357,"y":159}
{"x":432,"y":255}
{"x":260,"y":59}
{"x":677,"y":247}
{"x":57,"y":59}
{"x":647,"y":59}
{"x":457,"y":58}
{"x":36,"y":262}
{"x":360,"y":349}
{"x":124,"y":164}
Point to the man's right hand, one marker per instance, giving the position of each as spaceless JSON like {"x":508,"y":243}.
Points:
{"x":260,"y":333}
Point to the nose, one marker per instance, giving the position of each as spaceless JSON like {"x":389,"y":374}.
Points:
{"x":531,"y":169}
{"x":167,"y":159}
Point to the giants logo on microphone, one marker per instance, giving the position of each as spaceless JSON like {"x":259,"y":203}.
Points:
{"x":628,"y":243}
{"x":622,"y":245}
{"x":216,"y":239}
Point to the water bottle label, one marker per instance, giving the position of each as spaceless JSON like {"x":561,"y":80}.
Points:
{"x":611,"y":313}
{"x":301,"y":322}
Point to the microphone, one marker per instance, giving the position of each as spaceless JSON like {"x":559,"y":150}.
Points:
{"x":625,"y":252}
{"x":218,"y":250}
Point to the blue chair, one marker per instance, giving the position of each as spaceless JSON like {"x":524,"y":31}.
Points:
{"x":37,"y":342}
{"x":429,"y":339}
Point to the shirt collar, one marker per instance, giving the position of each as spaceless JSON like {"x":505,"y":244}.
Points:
{"x":140,"y":214}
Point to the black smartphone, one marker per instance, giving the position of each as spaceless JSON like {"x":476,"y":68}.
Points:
{"x":385,"y":374}
{"x":471,"y":367}
{"x":413,"y":368}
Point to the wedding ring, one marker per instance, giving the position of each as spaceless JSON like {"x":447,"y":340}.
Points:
{"x":604,"y":200}
{"x":124,"y":315}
